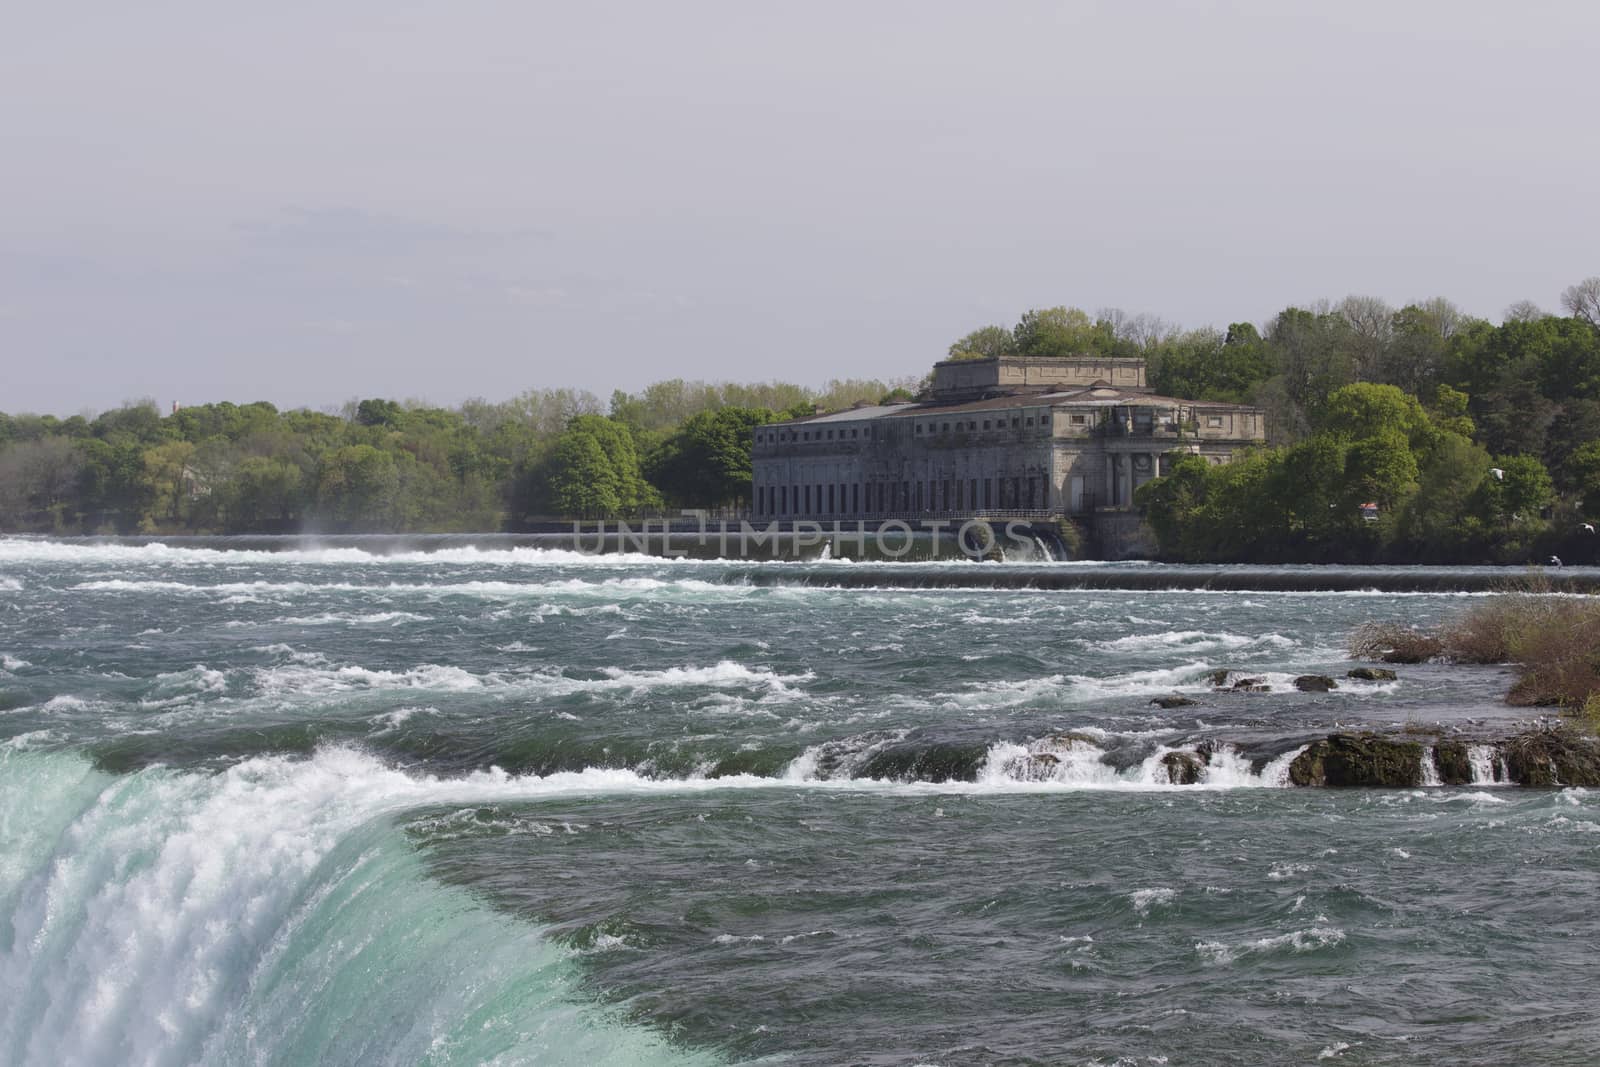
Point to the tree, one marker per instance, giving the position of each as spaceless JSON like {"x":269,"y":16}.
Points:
{"x":1522,"y":490}
{"x":357,"y":488}
{"x":985,"y":343}
{"x":1583,"y":473}
{"x":167,"y":468}
{"x":1058,"y":331}
{"x":583,"y":482}
{"x":1205,"y":365}
{"x":37,"y":478}
{"x":1371,"y":329}
{"x":1582,"y":301}
{"x":264,"y":495}
{"x":707,"y":463}
{"x":1381,"y":469}
{"x":1365,"y":410}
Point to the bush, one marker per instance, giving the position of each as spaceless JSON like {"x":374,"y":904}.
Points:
{"x":1389,"y":642}
{"x":1553,"y":640}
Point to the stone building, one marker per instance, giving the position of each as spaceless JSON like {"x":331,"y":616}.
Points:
{"x":1029,"y":436}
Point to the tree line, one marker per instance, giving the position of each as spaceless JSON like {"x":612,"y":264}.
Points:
{"x":380,"y":465}
{"x":1475,"y":440}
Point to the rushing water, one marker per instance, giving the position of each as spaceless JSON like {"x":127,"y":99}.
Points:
{"x":523,"y":806}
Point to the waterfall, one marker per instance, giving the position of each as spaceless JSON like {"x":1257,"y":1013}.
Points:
{"x":1044,"y":550}
{"x":1430,"y":769}
{"x":1485,"y":764}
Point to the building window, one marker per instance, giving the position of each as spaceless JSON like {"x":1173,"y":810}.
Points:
{"x":946,"y":427}
{"x":919,"y":427}
{"x":985,"y":424}
{"x":1015,"y":422}
{"x":1213,"y":420}
{"x":1079,"y":420}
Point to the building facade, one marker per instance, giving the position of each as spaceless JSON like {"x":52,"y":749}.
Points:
{"x":1010,"y":435}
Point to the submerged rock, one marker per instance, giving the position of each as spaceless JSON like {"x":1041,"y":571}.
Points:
{"x":1372,"y":674}
{"x":1359,"y":760}
{"x":1552,"y":758}
{"x":1173,"y":701}
{"x":1183,"y":768}
{"x":1315,"y":683}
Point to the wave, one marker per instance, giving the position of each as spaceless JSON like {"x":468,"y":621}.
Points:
{"x":269,"y":913}
{"x":1310,"y":939}
{"x":42,"y":551}
{"x":490,"y":590}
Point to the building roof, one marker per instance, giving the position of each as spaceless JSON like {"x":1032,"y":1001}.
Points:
{"x":1086,"y":396}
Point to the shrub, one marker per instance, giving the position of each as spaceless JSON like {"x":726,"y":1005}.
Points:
{"x":1390,"y":642}
{"x":1553,"y":640}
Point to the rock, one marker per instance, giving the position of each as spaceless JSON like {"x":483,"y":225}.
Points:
{"x":1359,"y":760}
{"x":1205,"y":750}
{"x":1173,"y":701}
{"x":1315,"y":683}
{"x":1372,"y":674}
{"x":1219,"y":677}
{"x":1046,"y":758}
{"x":1450,"y":759}
{"x":1183,"y":768}
{"x":1245,"y":685}
{"x":1552,"y":758}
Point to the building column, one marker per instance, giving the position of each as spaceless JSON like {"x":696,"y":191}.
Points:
{"x":1127,"y":479}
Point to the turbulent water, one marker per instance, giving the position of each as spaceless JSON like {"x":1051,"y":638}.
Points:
{"x":521,"y":806}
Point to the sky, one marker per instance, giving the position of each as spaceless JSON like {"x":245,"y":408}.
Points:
{"x":307,"y":203}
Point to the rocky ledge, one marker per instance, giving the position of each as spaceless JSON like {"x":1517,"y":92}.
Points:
{"x":1541,"y":758}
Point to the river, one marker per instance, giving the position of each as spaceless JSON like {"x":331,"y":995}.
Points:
{"x":506,"y":804}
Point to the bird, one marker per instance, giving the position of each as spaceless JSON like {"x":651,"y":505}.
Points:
{"x":1585,"y":527}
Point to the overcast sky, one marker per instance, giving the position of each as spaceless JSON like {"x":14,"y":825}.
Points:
{"x":306,"y":202}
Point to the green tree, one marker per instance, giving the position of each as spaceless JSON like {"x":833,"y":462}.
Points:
{"x":1059,"y":331}
{"x":985,"y":343}
{"x":583,"y":482}
{"x":357,"y":489}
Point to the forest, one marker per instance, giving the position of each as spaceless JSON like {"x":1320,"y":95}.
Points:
{"x":383,"y":466}
{"x":1474,"y":440}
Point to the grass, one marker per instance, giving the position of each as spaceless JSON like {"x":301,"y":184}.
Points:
{"x":1553,"y":641}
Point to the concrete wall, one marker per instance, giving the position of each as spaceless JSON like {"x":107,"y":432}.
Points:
{"x":955,"y":378}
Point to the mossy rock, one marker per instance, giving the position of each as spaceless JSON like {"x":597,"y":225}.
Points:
{"x":1183,"y":768}
{"x":1451,"y":760}
{"x":1315,"y":683}
{"x":1545,"y":758}
{"x":1345,"y":760}
{"x":1372,"y":674}
{"x":1174,"y":701}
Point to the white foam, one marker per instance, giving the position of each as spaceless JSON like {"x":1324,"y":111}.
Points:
{"x":1145,"y":899}
{"x":171,"y":918}
{"x":1487,"y":767}
{"x":1307,"y":940}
